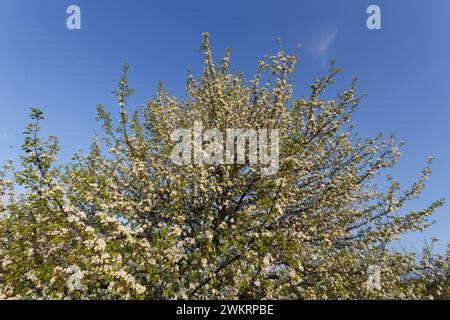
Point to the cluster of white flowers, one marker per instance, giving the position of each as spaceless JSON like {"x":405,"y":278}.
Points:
{"x":124,"y":222}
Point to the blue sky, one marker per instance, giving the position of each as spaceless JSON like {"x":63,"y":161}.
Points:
{"x":404,"y":67}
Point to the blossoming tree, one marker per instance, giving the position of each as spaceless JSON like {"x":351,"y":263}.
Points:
{"x":124,"y":221}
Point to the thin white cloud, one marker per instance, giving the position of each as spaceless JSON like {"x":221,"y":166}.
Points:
{"x":321,"y":43}
{"x":4,"y":135}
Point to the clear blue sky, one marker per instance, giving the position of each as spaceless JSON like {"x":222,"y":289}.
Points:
{"x":404,"y":67}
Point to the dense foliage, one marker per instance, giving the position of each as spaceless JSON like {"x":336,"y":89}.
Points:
{"x":124,"y":221}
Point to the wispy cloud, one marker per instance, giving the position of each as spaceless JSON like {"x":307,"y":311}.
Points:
{"x":4,"y":135}
{"x":320,"y":44}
